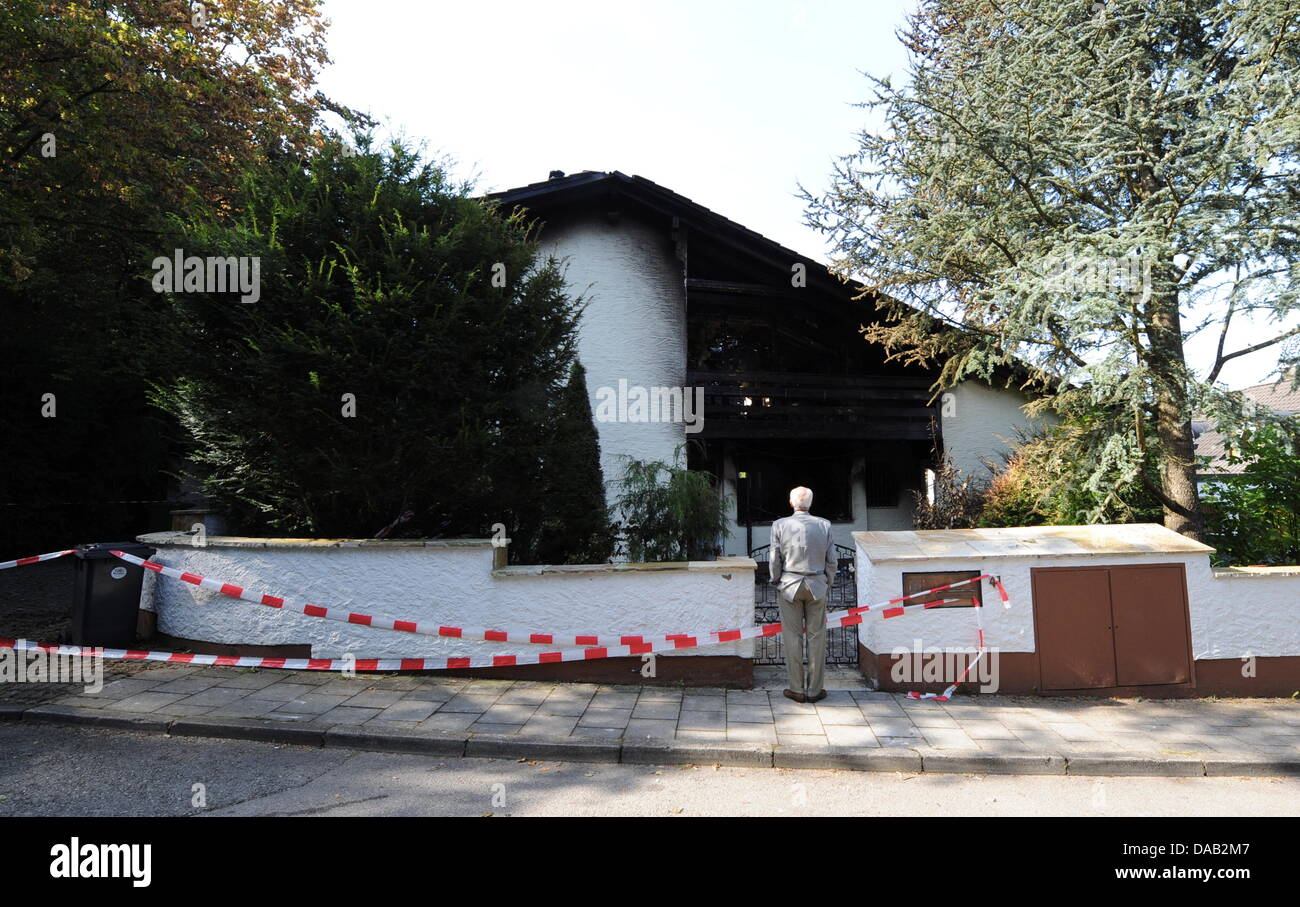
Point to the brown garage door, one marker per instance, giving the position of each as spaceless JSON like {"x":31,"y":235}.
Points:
{"x":1152,"y":637}
{"x":1098,"y":627}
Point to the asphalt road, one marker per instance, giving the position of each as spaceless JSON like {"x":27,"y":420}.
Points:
{"x":58,"y":771}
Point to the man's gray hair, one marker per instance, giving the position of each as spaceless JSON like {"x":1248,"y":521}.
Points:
{"x":801,"y":498}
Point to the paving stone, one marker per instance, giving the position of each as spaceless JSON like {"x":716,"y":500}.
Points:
{"x":942,"y":738}
{"x":347,"y":715}
{"x":429,"y":694}
{"x":309,"y":704}
{"x":612,"y":700}
{"x":744,"y":732}
{"x":933,"y":719}
{"x":86,"y":702}
{"x":660,"y":694}
{"x":186,"y":685}
{"x":283,"y":691}
{"x":531,"y":695}
{"x":550,"y":725}
{"x":407,"y":710}
{"x":979,"y":729}
{"x":841,"y":716}
{"x":750,"y":698}
{"x":144,"y":702}
{"x":247,"y":681}
{"x":448,"y":722}
{"x":699,"y":736}
{"x":886,"y":727}
{"x":465,"y":703}
{"x":837,"y":698}
{"x":799,"y":725}
{"x":840,"y":735}
{"x":801,"y":739}
{"x":214,"y":697}
{"x":696,"y":702}
{"x":248,"y":708}
{"x":508,"y":714}
{"x":656,"y":708}
{"x":594,"y":717}
{"x":126,"y":686}
{"x":374,"y":699}
{"x":712,"y":722}
{"x":610,"y":733}
{"x":563,"y":706}
{"x":653,"y":728}
{"x":1077,"y":733}
{"x":494,"y":728}
{"x":748,"y":714}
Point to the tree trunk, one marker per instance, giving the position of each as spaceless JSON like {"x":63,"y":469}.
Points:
{"x":1182,"y":504}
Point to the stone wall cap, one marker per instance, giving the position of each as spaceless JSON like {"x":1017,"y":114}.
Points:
{"x":186,"y":539}
{"x":721,"y":565}
{"x":1026,"y":541}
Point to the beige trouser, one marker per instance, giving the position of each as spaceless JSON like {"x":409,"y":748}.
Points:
{"x":804,"y":611}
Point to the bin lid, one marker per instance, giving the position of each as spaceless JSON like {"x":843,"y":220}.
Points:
{"x":1025,"y":541}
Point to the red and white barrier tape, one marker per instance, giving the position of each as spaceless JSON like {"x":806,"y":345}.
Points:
{"x":35,"y":559}
{"x":892,"y":608}
{"x":628,"y":646}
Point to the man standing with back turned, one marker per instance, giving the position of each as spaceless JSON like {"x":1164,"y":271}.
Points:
{"x":802,"y":566}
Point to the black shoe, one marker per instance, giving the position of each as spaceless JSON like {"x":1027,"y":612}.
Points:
{"x":797,"y":697}
{"x":818,"y":698}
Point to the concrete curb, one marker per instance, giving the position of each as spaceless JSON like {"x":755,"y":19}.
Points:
{"x":10,"y":711}
{"x":67,"y":714}
{"x":249,"y":729}
{"x":562,"y":748}
{"x":394,"y":741}
{"x":752,"y":755}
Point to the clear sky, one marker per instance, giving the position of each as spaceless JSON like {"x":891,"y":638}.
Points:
{"x":732,"y":104}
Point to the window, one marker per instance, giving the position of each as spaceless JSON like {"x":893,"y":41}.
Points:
{"x":962,"y":597}
{"x":882,"y":485}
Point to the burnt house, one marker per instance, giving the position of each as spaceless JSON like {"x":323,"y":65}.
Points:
{"x":678,"y":296}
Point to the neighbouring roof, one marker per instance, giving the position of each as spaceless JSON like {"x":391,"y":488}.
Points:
{"x":1280,"y":396}
{"x":1025,"y":541}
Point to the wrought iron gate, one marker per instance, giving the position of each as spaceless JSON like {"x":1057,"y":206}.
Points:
{"x":841,"y":642}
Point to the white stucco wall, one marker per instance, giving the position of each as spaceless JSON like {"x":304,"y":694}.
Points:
{"x":452,"y":584}
{"x":1233,"y":613}
{"x":634,"y":325}
{"x":980,"y":422}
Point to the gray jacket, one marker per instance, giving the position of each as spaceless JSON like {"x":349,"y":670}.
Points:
{"x":802,"y":551}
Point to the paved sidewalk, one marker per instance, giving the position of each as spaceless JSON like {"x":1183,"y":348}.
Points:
{"x":852,"y":728}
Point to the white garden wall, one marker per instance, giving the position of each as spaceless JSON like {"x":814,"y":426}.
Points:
{"x":1234,"y":613}
{"x":448,"y":582}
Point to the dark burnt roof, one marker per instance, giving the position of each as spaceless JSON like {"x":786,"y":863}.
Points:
{"x":594,"y":185}
{"x":588,"y":186}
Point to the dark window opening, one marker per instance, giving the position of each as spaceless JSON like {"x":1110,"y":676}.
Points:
{"x":881,"y":481}
{"x":774,"y":467}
